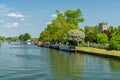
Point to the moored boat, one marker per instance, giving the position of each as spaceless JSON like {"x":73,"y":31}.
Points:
{"x":28,"y":42}
{"x":67,"y":48}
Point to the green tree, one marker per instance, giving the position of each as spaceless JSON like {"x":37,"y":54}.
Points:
{"x":74,"y":16}
{"x":115,"y":43}
{"x":115,"y":40}
{"x":26,"y":36}
{"x":59,"y":26}
{"x":90,"y":36}
{"x":2,"y":38}
{"x":44,"y":36}
{"x":111,"y":29}
{"x":12,"y":38}
{"x":102,"y":38}
{"x":21,"y":37}
{"x":91,"y":33}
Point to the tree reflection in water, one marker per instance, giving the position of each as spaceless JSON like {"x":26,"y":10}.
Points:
{"x":114,"y":65}
{"x":66,"y":64}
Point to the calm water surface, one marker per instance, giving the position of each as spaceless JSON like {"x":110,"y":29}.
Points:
{"x":29,"y":62}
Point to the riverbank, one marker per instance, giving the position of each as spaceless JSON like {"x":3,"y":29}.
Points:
{"x":99,"y":52}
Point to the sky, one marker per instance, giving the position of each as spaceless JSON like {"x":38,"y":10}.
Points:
{"x":32,"y":16}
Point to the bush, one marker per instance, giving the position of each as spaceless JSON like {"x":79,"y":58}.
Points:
{"x":115,"y":43}
{"x":102,"y":38}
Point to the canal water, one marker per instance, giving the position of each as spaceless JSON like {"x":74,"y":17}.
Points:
{"x":29,"y":62}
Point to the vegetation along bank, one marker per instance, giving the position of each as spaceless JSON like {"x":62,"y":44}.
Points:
{"x":65,"y":29}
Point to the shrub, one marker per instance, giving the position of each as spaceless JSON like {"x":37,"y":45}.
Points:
{"x":115,"y":43}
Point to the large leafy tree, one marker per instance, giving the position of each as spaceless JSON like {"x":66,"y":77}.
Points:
{"x":61,"y":25}
{"x":21,"y":37}
{"x":102,"y":38}
{"x":91,"y":33}
{"x":44,"y":36}
{"x":115,"y":40}
{"x":74,"y":16}
{"x":24,"y":37}
{"x":51,"y":33}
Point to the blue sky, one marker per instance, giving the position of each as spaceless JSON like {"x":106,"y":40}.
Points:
{"x":32,"y":16}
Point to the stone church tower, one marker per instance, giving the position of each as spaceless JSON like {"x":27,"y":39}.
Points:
{"x":103,"y":26}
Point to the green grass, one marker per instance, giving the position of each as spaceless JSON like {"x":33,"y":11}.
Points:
{"x":99,"y":51}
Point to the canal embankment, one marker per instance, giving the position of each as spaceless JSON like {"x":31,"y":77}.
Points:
{"x":85,"y":50}
{"x":99,"y":52}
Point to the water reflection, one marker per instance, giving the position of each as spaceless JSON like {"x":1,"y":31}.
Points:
{"x":23,"y":62}
{"x":115,"y":65}
{"x":66,"y":64}
{"x":0,"y":43}
{"x":79,"y":66}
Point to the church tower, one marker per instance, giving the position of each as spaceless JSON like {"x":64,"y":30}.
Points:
{"x":103,"y":26}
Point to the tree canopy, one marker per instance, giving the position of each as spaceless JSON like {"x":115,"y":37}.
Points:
{"x":63,"y":23}
{"x":25,"y":37}
{"x":2,"y":38}
{"x":74,"y":36}
{"x":91,"y":33}
{"x":115,"y":40}
{"x":74,"y":16}
{"x":102,"y":38}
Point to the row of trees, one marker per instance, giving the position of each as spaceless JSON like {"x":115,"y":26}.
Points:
{"x":110,"y":36}
{"x":64,"y":28}
{"x":22,"y":37}
{"x":12,"y":38}
{"x":2,"y":38}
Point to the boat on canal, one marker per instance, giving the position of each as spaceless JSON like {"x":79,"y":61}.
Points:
{"x":68,"y":48}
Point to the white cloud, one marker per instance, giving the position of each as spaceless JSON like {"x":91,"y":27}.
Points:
{"x":22,"y":19}
{"x":48,"y":23}
{"x":54,"y":15}
{"x":17,"y":15}
{"x":11,"y":25}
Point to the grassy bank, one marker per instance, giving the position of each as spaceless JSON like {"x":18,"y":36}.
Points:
{"x":98,"y":51}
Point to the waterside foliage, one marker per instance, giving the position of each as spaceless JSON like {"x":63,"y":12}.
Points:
{"x":61,"y":25}
{"x":65,"y":29}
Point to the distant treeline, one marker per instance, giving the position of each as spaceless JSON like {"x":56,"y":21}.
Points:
{"x":22,"y":37}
